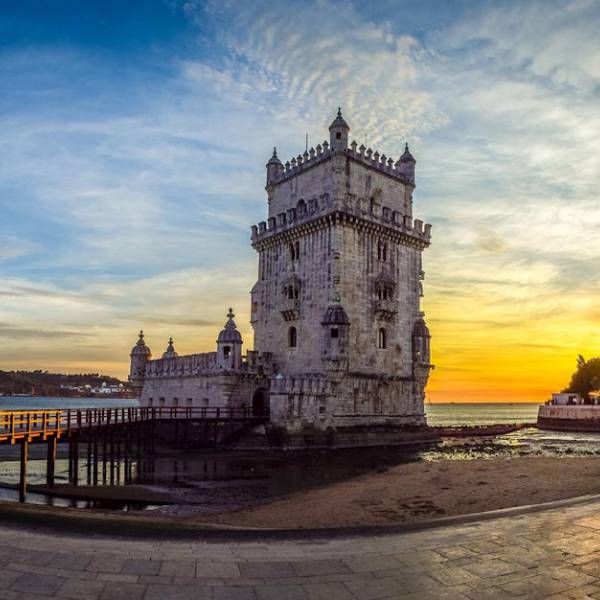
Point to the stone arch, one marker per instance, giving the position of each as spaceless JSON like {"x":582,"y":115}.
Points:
{"x":260,"y":402}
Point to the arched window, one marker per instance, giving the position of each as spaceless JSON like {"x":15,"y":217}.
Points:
{"x":381,"y":338}
{"x":292,"y":337}
{"x":292,"y":251}
{"x":226,"y":351}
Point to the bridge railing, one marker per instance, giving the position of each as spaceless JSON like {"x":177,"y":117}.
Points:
{"x":16,"y":424}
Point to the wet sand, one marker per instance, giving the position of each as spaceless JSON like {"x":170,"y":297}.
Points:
{"x":417,"y":492}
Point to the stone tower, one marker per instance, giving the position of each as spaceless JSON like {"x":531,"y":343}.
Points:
{"x":337,"y":301}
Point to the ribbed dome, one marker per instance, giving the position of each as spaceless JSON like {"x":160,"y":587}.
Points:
{"x":274,"y":160}
{"x":420,"y":329}
{"x":407,"y":157}
{"x":140,"y":349}
{"x":335,"y":315}
{"x":229,"y":334}
{"x":339,"y":121}
{"x":170,"y":352}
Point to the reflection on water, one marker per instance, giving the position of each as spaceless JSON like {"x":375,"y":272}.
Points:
{"x":209,"y":481}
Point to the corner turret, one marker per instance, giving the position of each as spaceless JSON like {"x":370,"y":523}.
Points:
{"x":274,"y":168}
{"x":229,"y":345}
{"x":406,"y":165}
{"x":338,"y":133}
{"x":421,"y":337}
{"x":140,"y":355}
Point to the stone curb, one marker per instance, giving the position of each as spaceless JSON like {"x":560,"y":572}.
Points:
{"x":101,"y":524}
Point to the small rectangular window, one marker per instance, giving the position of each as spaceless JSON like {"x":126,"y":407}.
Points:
{"x":335,"y":332}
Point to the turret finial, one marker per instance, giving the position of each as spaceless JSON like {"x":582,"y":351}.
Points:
{"x":230,"y":314}
{"x":140,"y":341}
{"x":274,"y":151}
{"x":406,"y":147}
{"x":339,"y":111}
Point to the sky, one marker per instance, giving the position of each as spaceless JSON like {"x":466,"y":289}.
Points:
{"x":134,"y":137}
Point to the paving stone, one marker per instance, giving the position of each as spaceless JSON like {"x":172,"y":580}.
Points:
{"x":266,"y":569}
{"x":234,"y":593}
{"x":123,"y":591}
{"x":31,"y":557}
{"x":331,"y":566}
{"x":376,"y":563}
{"x":137,"y":566}
{"x":36,"y":583}
{"x":375,"y":589}
{"x":106,"y":564}
{"x":178,"y":568}
{"x":73,"y":562}
{"x":78,"y":589}
{"x":281,"y":592}
{"x":217,"y":569}
{"x":491,"y":568}
{"x":328,"y":591}
{"x":117,"y":577}
{"x":7,"y":577}
{"x":177,"y":592}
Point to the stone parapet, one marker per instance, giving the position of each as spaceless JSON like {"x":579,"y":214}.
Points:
{"x":315,"y":156}
{"x":403,"y":227}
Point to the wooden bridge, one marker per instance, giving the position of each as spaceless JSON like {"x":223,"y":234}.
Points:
{"x":109,"y":434}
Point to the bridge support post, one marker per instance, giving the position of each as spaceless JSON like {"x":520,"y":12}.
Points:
{"x":89,"y":461}
{"x":75,"y":460}
{"x":23,"y":471}
{"x":118,"y":458}
{"x":51,"y":460}
{"x":104,"y":451}
{"x":95,"y":467}
{"x":112,"y":458}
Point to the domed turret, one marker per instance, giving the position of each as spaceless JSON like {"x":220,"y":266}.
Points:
{"x":229,"y":345}
{"x":335,"y":315}
{"x":140,"y":355}
{"x":274,"y":167}
{"x":421,"y":337}
{"x":406,"y":164}
{"x":338,"y":132}
{"x":170,"y":351}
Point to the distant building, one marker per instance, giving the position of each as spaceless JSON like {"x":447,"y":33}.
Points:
{"x":340,"y":340}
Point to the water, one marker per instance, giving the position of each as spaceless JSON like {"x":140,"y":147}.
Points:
{"x":451,"y":415}
{"x":47,"y":403}
{"x":211,"y":480}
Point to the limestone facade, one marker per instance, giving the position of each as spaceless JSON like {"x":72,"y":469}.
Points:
{"x":339,"y":336}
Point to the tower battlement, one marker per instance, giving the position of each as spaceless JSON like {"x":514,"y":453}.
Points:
{"x":322,"y":152}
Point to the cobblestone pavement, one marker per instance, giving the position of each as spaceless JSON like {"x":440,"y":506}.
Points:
{"x":549,"y":554}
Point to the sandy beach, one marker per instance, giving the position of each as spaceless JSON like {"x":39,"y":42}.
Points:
{"x":417,"y":492}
